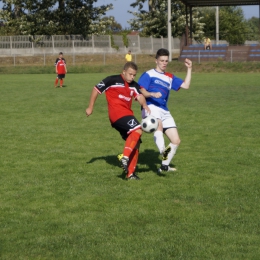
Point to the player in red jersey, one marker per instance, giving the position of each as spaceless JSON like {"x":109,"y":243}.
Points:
{"x":61,"y":70}
{"x":120,"y":91}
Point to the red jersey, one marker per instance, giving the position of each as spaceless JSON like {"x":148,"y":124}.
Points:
{"x":60,"y":65}
{"x":119,"y":95}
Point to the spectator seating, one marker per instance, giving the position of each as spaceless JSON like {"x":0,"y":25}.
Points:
{"x":254,"y":53}
{"x":221,"y":52}
{"x":196,"y":52}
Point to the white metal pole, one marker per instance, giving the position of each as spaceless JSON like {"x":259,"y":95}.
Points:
{"x":217,"y":25}
{"x":169,"y":30}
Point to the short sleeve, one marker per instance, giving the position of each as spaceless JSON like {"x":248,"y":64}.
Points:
{"x":144,"y":80}
{"x":103,"y":85}
{"x":176,"y":83}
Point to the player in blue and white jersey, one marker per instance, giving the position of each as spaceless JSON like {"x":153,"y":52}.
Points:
{"x":155,"y":86}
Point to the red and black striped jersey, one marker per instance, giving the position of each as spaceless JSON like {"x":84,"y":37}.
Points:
{"x":61,"y":65}
{"x":119,"y":95}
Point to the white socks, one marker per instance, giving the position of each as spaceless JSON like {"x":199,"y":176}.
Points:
{"x":170,"y":154}
{"x":159,"y":140}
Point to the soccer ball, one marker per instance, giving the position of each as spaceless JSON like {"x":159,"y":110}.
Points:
{"x":149,"y":124}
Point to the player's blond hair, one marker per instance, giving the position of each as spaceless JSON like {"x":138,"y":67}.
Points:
{"x":131,"y":65}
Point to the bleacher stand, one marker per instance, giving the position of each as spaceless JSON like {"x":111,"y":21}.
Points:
{"x":221,"y":52}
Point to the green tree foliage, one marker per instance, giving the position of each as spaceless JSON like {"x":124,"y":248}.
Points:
{"x":208,"y":15}
{"x":232,"y":26}
{"x":253,"y":29}
{"x":153,"y":22}
{"x":106,"y":25}
{"x":50,"y":17}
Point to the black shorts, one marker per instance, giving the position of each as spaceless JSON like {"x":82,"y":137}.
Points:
{"x":60,"y":76}
{"x":125,"y":125}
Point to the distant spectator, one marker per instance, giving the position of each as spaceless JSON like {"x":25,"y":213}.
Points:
{"x":61,"y":70}
{"x":207,"y":44}
{"x":128,"y":56}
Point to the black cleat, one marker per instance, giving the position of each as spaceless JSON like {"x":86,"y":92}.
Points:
{"x":120,"y":156}
{"x":133,"y":176}
{"x":124,"y":163}
{"x":166,"y":168}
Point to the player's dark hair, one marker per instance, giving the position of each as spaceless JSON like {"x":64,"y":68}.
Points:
{"x":131,"y":65}
{"x":162,"y":52}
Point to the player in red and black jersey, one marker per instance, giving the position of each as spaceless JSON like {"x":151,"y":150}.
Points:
{"x":120,"y":90}
{"x":61,"y":70}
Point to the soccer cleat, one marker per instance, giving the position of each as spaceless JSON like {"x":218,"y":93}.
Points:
{"x":133,"y":176}
{"x":124,"y":163}
{"x":166,"y":168}
{"x":166,"y":152}
{"x":120,"y":156}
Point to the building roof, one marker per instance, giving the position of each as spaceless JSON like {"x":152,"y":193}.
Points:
{"x":220,"y":2}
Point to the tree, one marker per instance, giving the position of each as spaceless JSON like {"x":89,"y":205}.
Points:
{"x":208,"y":17}
{"x":106,"y":25}
{"x":252,"y":29}
{"x":28,"y":17}
{"x":154,"y":21}
{"x":48,"y":17}
{"x":232,"y":26}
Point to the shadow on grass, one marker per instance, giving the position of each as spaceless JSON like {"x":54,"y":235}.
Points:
{"x":63,"y":86}
{"x":148,"y":161}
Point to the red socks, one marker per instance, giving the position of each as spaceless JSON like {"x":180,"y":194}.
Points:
{"x":131,"y":151}
{"x":131,"y":143}
{"x":133,"y":161}
{"x":56,"y":81}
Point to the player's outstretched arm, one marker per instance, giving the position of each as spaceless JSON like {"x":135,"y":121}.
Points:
{"x":142,"y":102}
{"x":92,"y":100}
{"x":148,"y":94}
{"x":186,"y":83}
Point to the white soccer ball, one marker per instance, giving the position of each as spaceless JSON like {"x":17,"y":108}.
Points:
{"x":149,"y":124}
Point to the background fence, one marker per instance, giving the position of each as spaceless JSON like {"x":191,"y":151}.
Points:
{"x":94,"y":50}
{"x":74,"y":59}
{"x":69,"y":44}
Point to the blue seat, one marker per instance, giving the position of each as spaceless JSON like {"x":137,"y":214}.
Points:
{"x":196,"y":45}
{"x":203,"y":56}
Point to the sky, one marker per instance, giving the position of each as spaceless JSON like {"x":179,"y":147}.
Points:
{"x":122,"y":6}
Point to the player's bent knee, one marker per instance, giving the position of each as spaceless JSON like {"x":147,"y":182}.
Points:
{"x":177,"y":142}
{"x":139,"y":131}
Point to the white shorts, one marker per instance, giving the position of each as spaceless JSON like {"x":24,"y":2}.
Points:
{"x":163,"y":115}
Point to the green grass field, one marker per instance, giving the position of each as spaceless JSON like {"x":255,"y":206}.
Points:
{"x":63,"y":194}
